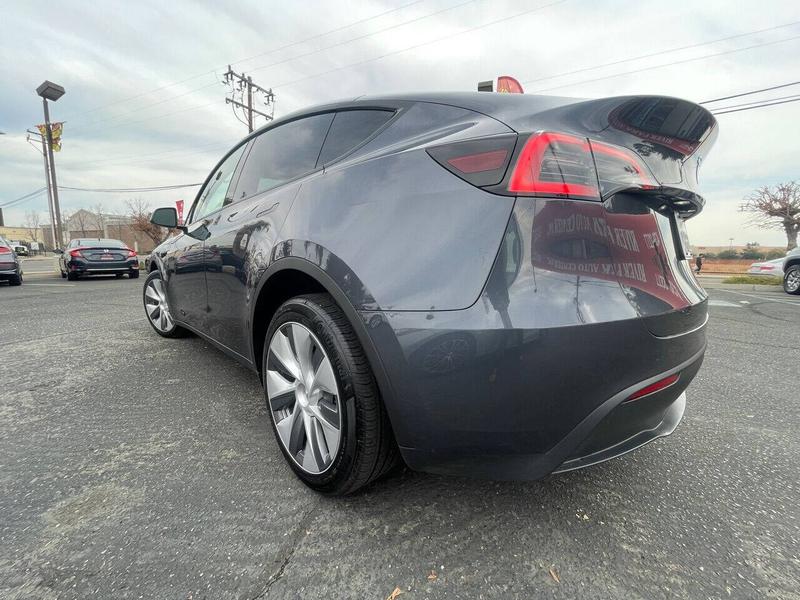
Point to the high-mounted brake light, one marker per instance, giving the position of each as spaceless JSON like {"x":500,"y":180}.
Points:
{"x":567,"y":166}
{"x":659,"y":385}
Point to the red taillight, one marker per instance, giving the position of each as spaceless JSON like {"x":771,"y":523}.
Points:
{"x":76,"y":253}
{"x":563,"y":165}
{"x":131,"y":253}
{"x":481,"y":162}
{"x":5,"y":250}
{"x":555,"y":164}
{"x":654,"y":387}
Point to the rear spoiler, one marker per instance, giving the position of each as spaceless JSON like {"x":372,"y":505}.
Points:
{"x":671,"y":136}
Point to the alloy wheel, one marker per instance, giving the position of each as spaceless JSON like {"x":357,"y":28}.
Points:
{"x":793,"y":280}
{"x":303,"y":397}
{"x":155,"y":301}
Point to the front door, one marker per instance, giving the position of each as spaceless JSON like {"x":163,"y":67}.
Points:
{"x":185,"y":259}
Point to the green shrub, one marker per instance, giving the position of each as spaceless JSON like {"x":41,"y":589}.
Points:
{"x":754,"y":280}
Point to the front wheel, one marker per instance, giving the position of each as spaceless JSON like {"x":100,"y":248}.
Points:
{"x":791,"y":280}
{"x":157,"y":308}
{"x":326,"y":409}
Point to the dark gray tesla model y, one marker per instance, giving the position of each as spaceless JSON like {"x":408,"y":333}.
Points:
{"x":491,"y":285}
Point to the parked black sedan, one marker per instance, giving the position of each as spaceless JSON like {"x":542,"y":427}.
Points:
{"x":98,"y":256}
{"x":493,"y":285}
{"x":10,"y":268}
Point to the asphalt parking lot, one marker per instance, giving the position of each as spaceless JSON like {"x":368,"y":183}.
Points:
{"x":133,"y":466}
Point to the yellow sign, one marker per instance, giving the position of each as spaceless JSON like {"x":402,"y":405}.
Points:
{"x":56,"y":130}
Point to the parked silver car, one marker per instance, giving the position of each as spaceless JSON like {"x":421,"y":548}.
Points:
{"x":791,"y":272}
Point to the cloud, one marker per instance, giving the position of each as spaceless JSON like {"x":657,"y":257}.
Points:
{"x":106,"y":53}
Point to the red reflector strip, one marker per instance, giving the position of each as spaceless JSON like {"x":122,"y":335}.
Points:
{"x":654,"y":387}
{"x":478,"y":163}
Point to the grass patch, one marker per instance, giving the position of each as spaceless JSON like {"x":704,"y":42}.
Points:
{"x":754,"y":279}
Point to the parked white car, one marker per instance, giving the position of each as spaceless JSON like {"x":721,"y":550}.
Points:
{"x":772,"y":268}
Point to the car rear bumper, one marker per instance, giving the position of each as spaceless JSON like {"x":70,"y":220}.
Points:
{"x":99,"y":268}
{"x":8,"y":273}
{"x":519,"y":404}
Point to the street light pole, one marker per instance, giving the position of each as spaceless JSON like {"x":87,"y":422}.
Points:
{"x":52,"y":91}
{"x":49,"y":189}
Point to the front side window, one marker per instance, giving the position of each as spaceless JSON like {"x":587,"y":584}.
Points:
{"x":215,"y":195}
{"x":283,"y":153}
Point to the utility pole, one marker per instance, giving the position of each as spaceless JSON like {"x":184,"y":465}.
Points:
{"x":52,"y":91}
{"x":241,"y":96}
{"x":49,"y":188}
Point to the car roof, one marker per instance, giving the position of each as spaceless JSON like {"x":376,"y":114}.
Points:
{"x":499,"y":106}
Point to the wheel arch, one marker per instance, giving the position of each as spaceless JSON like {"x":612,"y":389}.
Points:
{"x":292,"y":276}
{"x":791,"y":263}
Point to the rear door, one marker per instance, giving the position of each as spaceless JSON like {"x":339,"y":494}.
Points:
{"x":251,"y":219}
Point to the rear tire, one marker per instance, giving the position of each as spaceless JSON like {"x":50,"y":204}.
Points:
{"x":72,"y":276}
{"x":791,"y":280}
{"x":133,"y":275}
{"x":63,"y":275}
{"x":157,"y":309}
{"x":366,"y":446}
{"x":15,"y":280}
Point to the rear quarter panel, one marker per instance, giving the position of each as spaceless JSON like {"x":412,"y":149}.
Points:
{"x":417,"y":237}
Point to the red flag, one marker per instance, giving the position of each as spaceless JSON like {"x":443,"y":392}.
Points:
{"x":179,"y":206}
{"x":508,"y":85}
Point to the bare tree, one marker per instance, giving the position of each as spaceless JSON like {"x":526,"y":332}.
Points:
{"x":81,"y":219}
{"x":776,"y":207}
{"x":100,"y":218}
{"x":139,"y":211}
{"x":33,"y":221}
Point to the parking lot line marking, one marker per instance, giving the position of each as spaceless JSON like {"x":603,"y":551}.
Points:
{"x":723,"y":303}
{"x":53,"y":284}
{"x":765,"y":298}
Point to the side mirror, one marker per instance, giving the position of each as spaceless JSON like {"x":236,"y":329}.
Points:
{"x":165,"y":217}
{"x":58,"y":251}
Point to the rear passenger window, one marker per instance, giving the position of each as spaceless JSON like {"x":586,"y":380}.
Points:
{"x":281,"y":154}
{"x":349,"y":129}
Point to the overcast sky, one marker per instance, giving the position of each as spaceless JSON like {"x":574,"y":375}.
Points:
{"x":145,"y":107}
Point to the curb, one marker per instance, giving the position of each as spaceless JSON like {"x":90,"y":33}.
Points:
{"x":740,"y":287}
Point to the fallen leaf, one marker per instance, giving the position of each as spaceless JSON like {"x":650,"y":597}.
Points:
{"x":554,"y":575}
{"x":432,"y":576}
{"x":397,"y":591}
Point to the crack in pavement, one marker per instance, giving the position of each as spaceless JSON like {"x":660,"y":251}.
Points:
{"x":297,"y":537}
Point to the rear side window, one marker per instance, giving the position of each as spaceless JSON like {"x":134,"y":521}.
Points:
{"x":349,"y":129}
{"x":283,"y":153}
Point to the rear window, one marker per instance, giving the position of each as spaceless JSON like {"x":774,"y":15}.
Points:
{"x":349,"y":129}
{"x":101,"y":244}
{"x":281,"y":154}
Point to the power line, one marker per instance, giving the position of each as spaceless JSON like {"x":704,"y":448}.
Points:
{"x":755,"y":102}
{"x":415,"y":46}
{"x":283,"y":61}
{"x":669,"y":64}
{"x":113,"y":118}
{"x":157,"y":188}
{"x":660,"y":52}
{"x":28,"y":196}
{"x":722,"y":110}
{"x":279,"y":48}
{"x":768,"y":89}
